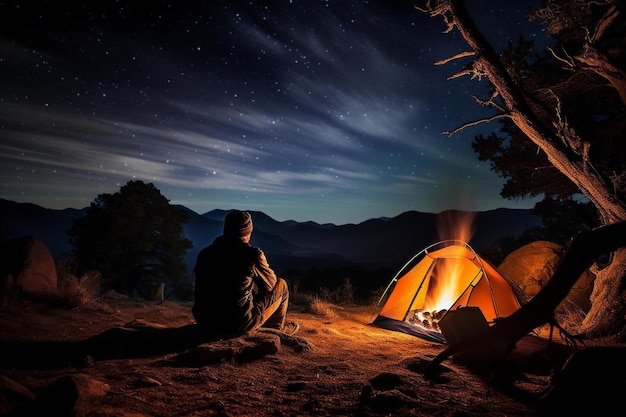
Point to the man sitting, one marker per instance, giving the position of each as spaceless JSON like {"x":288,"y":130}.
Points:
{"x":236,"y":291}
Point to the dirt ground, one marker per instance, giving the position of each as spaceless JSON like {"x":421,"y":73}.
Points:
{"x":349,"y":368}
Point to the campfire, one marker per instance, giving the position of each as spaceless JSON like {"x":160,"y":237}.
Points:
{"x":436,"y":280}
{"x":427,"y":319}
{"x":444,"y":282}
{"x":443,"y":289}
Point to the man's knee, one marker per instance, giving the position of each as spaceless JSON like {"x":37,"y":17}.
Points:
{"x":282,"y":287}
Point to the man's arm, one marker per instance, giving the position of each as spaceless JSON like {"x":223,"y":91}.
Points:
{"x":264,"y":275}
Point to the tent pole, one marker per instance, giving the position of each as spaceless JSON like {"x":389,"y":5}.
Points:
{"x":427,"y":274}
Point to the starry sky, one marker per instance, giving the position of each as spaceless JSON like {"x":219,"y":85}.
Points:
{"x":324,"y":110}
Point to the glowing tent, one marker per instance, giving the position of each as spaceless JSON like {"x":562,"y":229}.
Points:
{"x":443,"y":277}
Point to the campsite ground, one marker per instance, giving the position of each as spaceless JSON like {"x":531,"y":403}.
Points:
{"x":342,"y":366}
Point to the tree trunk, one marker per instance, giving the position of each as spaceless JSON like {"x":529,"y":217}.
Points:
{"x":608,"y":311}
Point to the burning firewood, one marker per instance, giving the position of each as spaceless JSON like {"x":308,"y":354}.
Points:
{"x":427,"y":319}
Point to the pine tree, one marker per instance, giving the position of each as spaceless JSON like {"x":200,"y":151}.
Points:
{"x":133,"y":237}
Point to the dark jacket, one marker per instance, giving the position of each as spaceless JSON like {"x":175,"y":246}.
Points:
{"x":229,"y":273}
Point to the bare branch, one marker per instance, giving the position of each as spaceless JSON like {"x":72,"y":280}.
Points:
{"x":462,"y":73}
{"x":565,"y":132}
{"x":474,"y":123}
{"x":602,"y":65}
{"x":439,"y":9}
{"x":568,"y":62}
{"x":490,"y":102}
{"x":456,"y":56}
{"x":605,"y":22}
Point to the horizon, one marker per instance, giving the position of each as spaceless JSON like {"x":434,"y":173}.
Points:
{"x":284,"y":215}
{"x":201,"y":213}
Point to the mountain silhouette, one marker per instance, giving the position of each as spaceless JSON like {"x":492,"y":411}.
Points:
{"x":374,"y":243}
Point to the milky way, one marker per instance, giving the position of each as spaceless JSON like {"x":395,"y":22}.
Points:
{"x":331,"y":111}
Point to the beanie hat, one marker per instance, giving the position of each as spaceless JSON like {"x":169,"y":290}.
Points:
{"x":237,"y":223}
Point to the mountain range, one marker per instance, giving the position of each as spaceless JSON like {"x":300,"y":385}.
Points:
{"x":374,"y":243}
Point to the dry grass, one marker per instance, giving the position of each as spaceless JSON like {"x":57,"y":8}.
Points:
{"x":322,"y":308}
{"x":570,"y":317}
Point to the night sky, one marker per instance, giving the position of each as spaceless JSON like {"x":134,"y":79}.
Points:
{"x":331,"y":111}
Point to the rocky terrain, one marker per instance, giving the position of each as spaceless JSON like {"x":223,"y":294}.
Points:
{"x":336,"y":365}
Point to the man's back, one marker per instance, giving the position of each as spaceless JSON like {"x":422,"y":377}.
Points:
{"x":224,"y":284}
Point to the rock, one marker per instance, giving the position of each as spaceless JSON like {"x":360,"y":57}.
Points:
{"x":114,"y":295}
{"x":146,"y":381}
{"x":240,"y":349}
{"x":88,"y":286}
{"x":387,"y":402}
{"x":532,"y":265}
{"x":67,"y":283}
{"x":13,"y":395}
{"x":71,"y":395}
{"x":27,"y":266}
{"x":385,"y":381}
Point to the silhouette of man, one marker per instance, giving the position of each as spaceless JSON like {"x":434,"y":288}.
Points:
{"x":236,"y":291}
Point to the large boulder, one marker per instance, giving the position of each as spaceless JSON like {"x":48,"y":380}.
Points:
{"x":532,"y":266}
{"x":27,"y":267}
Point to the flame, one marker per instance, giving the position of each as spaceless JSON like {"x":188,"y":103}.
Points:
{"x":445,"y":283}
{"x":456,"y":225}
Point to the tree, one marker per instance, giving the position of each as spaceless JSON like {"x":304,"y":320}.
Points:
{"x":568,"y":107}
{"x":134,"y":237}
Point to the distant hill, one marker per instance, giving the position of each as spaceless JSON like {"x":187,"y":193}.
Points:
{"x":382,"y":242}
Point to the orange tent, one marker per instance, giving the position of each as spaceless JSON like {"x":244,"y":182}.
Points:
{"x":444,"y":276}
